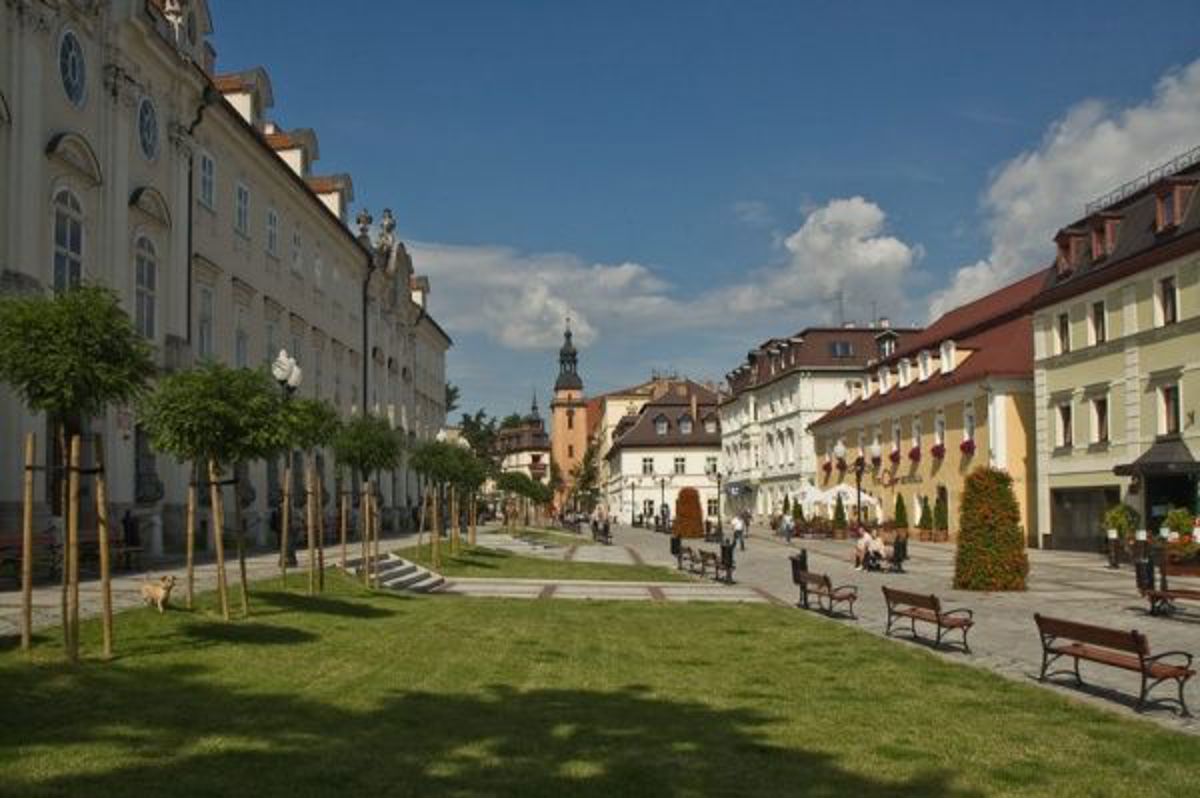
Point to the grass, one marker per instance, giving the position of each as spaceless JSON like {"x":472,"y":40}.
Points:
{"x":373,"y":695}
{"x":495,"y":564}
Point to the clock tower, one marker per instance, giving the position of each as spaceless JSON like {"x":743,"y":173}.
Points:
{"x":568,"y":425}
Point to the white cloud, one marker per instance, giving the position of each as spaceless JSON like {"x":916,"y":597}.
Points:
{"x":754,"y":213}
{"x":1093,"y":148}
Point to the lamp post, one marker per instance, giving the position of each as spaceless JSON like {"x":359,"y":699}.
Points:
{"x":632,"y":501}
{"x":288,"y":375}
{"x":662,"y":501}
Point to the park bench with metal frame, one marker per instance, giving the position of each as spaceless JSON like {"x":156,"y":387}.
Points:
{"x":828,"y":596}
{"x":1117,"y":648}
{"x":1163,"y":597}
{"x":927,"y":608}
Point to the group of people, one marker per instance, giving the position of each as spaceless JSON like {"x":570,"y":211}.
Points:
{"x":871,"y":552}
{"x":601,"y":529}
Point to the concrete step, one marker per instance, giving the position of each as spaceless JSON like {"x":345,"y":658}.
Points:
{"x":407,"y":581}
{"x":431,"y":583}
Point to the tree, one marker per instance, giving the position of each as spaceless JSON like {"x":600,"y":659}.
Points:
{"x":308,"y":424}
{"x":787,"y":505}
{"x":798,"y":512}
{"x":839,"y":514}
{"x":689,"y":522}
{"x":926,"y":520}
{"x":439,"y":462}
{"x":941,"y":513}
{"x":586,"y":477}
{"x":480,"y":432}
{"x":71,"y":356}
{"x":900,"y":514}
{"x":367,"y":444}
{"x":511,"y":421}
{"x":452,"y":397}
{"x":991,"y":544}
{"x":222,"y":417}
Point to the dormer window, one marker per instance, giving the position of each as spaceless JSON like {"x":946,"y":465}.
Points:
{"x":1171,"y":203}
{"x":660,"y":425}
{"x":710,"y":425}
{"x":924,"y":365}
{"x":841,"y":349}
{"x":905,"y":373}
{"x":1070,"y":250}
{"x":685,"y":425}
{"x":885,"y":375}
{"x":948,"y":355}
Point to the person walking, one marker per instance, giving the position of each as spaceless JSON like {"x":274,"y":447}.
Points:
{"x":739,"y":532}
{"x":789,"y":527}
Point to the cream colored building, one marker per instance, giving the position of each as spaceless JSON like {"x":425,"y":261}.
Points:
{"x":128,"y":161}
{"x":1117,"y":360}
{"x":954,"y":396}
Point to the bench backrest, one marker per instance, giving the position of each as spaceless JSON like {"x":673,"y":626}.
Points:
{"x":925,"y":601}
{"x":809,"y":578}
{"x":1119,"y":639}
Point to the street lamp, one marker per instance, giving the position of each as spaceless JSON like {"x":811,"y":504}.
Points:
{"x":288,"y":374}
{"x":632,"y":500}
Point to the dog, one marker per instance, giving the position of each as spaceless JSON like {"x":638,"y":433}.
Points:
{"x":158,"y":593}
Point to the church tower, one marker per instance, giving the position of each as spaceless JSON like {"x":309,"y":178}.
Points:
{"x":568,"y":419}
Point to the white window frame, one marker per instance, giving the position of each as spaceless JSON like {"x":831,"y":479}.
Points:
{"x":924,"y":365}
{"x":916,"y":430}
{"x":647,"y":466}
{"x":1095,"y":419}
{"x":897,"y":435}
{"x":205,"y":322}
{"x":1094,"y":336}
{"x":272,"y":232}
{"x":241,"y":209}
{"x":948,"y":356}
{"x":905,"y":370}
{"x":145,"y":270}
{"x":969,"y":420}
{"x":679,"y":466}
{"x":1064,"y":437}
{"x":939,"y":427}
{"x":661,"y":426}
{"x":207,"y":193}
{"x":67,"y":204}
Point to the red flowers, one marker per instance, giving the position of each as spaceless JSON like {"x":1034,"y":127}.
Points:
{"x":827,"y":467}
{"x":895,"y":457}
{"x":967,"y":447}
{"x":938,"y":451}
{"x":914,"y":454}
{"x":841,"y":464}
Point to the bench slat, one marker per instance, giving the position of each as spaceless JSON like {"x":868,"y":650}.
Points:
{"x":1119,"y":639}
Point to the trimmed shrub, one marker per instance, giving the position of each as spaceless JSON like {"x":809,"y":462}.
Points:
{"x":941,"y":513}
{"x":798,"y":513}
{"x":689,"y":521}
{"x":839,"y":514}
{"x":787,"y":505}
{"x":900,"y":514}
{"x":991,"y":544}
{"x":926,"y":521}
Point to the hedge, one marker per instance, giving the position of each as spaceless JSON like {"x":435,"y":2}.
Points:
{"x":991,"y":544}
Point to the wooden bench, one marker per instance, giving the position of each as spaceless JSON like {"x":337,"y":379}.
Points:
{"x":692,"y":559}
{"x":1162,"y":597}
{"x":927,"y":608}
{"x":821,"y":586}
{"x":1117,"y":648}
{"x":47,"y":555}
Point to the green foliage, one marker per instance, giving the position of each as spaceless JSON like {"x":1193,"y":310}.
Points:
{"x":521,"y":484}
{"x":941,"y":513}
{"x":309,"y":423}
{"x":900,"y":513}
{"x":1122,"y":518}
{"x":511,"y":420}
{"x":586,"y":477}
{"x":452,"y":396}
{"x":839,"y":514}
{"x":556,"y":477}
{"x":1179,"y":520}
{"x":689,"y":521}
{"x":926,"y":521}
{"x":479,"y":430}
{"x":215,"y":412}
{"x":787,"y":505}
{"x":368,"y":444}
{"x":798,"y":512}
{"x":991,"y":545}
{"x":73,"y":354}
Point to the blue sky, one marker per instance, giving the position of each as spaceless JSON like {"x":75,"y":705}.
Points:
{"x":688,"y":178}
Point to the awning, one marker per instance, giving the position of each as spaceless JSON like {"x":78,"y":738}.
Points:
{"x":738,"y":488}
{"x":1165,"y":457}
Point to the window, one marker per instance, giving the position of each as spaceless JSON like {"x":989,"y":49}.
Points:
{"x":272,"y":341}
{"x":714,"y":508}
{"x":1066,"y":436}
{"x":297,"y":252}
{"x":841,"y":349}
{"x":1165,"y":210}
{"x":317,"y":373}
{"x":905,"y":372}
{"x":241,"y":210}
{"x":204,"y":324}
{"x":146,"y":274}
{"x":1100,"y":420}
{"x":147,"y":124}
{"x":884,"y":377}
{"x":969,"y":421}
{"x":570,"y":450}
{"x":272,"y":232}
{"x":896,"y":434}
{"x":1170,"y":409}
{"x":948,"y":355}
{"x":685,"y":425}
{"x":939,"y":429}
{"x":318,"y":272}
{"x":570,"y":419}
{"x":648,"y":466}
{"x":68,"y":240}
{"x":916,"y":431}
{"x":923,"y":365}
{"x":208,"y":181}
{"x":241,"y":340}
{"x":72,"y":69}
{"x":1064,"y":333}
{"x":710,"y":465}
{"x":1168,"y":309}
{"x":710,"y":425}
{"x":680,"y":465}
{"x":1099,"y":323}
{"x":887,"y":346}
{"x":660,"y":426}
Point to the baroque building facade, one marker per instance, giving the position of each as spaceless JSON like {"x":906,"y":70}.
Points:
{"x":126,"y":160}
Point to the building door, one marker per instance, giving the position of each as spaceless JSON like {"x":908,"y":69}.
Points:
{"x":1163,"y":493}
{"x":1077,"y":517}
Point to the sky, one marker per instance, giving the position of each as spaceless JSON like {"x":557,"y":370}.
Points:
{"x":686,"y":179}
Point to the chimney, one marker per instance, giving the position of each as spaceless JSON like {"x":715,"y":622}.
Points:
{"x":847,"y":325}
{"x":885,"y":322}
{"x":695,"y":413}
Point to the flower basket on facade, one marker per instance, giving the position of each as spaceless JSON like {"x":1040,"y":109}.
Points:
{"x":914,"y":454}
{"x":876,"y":461}
{"x":938,"y":451}
{"x":895,"y":457}
{"x":859,"y":463}
{"x":827,"y":467}
{"x":841,"y":465}
{"x":967,"y":447}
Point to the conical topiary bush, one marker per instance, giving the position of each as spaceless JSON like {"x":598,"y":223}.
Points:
{"x":991,"y":544}
{"x":689,"y":522}
{"x":900,"y":514}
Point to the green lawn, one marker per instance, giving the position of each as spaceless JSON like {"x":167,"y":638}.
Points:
{"x":494,"y":564}
{"x":366,"y":696}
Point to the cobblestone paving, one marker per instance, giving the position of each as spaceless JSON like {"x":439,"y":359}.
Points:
{"x":1071,"y":585}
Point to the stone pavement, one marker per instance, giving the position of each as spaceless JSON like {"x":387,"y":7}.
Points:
{"x":1071,"y":585}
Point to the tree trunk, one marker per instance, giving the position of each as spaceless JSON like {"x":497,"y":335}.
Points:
{"x":285,"y":521}
{"x":218,"y":521}
{"x":375,"y":539}
{"x":453,"y":519}
{"x":191,"y":535}
{"x":474,"y":516}
{"x":239,"y":525}
{"x":27,"y":548}
{"x":421,"y":524}
{"x":435,"y":540}
{"x":320,"y":532}
{"x":106,"y":608}
{"x":310,"y":522}
{"x":73,"y":552}
{"x":364,"y":534}
{"x":343,"y":522}
{"x":64,"y":499}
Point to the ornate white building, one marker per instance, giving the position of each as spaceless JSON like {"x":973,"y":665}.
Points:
{"x":126,"y":160}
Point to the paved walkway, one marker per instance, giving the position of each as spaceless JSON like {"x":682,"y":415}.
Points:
{"x":1068,"y":584}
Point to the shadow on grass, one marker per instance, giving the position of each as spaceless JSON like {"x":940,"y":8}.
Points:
{"x":139,"y":727}
{"x":325,"y":605}
{"x":246,"y":633}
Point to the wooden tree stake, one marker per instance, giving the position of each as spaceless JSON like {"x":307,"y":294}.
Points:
{"x":343,"y":522}
{"x":364,"y":534}
{"x":73,"y":552}
{"x":218,"y":520}
{"x":310,"y":521}
{"x":191,"y":536}
{"x":320,"y":532}
{"x":285,"y":521}
{"x":105,"y":564}
{"x":27,"y":548}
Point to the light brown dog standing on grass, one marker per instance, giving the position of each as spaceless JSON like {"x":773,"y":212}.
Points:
{"x":158,"y":593}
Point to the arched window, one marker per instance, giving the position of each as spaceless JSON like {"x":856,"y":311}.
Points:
{"x":68,"y":240}
{"x":146,"y":269}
